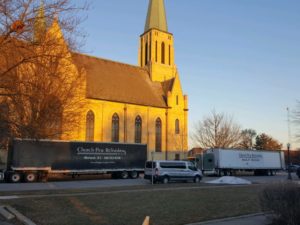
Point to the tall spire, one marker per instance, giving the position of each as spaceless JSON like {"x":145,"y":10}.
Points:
{"x":156,"y":17}
{"x":39,"y":23}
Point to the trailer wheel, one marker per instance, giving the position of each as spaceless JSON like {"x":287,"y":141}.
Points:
{"x":30,"y":177}
{"x":15,"y":177}
{"x":134,"y":174}
{"x":124,"y":175}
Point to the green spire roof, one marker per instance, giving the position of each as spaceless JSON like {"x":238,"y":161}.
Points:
{"x":40,"y":24}
{"x":156,"y":17}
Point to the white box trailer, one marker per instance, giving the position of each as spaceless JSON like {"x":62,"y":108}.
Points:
{"x":225,"y":161}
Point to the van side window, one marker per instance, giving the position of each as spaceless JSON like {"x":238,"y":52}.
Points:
{"x":171,"y":165}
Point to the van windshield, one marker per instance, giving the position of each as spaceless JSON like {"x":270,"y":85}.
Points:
{"x":149,"y":164}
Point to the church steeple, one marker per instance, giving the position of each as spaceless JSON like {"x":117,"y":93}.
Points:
{"x":40,"y":24}
{"x":156,"y":17}
{"x":156,"y":52}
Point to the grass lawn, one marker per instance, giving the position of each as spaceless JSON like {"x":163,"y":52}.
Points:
{"x":165,"y":207}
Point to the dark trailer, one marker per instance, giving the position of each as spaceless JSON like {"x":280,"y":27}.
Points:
{"x":32,"y":160}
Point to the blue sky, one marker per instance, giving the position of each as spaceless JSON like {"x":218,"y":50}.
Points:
{"x":241,"y":57}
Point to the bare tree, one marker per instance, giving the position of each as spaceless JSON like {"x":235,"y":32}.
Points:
{"x":217,"y":131}
{"x":247,"y":137}
{"x":23,"y":26}
{"x":40,"y":88}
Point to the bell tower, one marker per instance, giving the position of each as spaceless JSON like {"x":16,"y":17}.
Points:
{"x":40,"y":24}
{"x":156,"y":51}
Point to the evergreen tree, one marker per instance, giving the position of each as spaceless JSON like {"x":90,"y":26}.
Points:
{"x":266,"y":142}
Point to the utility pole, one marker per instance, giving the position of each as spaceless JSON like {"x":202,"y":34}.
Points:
{"x":289,"y":145}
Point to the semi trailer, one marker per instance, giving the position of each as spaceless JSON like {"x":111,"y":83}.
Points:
{"x":32,"y":160}
{"x":228,"y":161}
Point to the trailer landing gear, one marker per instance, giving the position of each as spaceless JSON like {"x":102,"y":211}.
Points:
{"x":124,"y":175}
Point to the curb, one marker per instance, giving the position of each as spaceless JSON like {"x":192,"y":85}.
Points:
{"x":23,"y":219}
{"x":228,"y":219}
{"x":6,"y":214}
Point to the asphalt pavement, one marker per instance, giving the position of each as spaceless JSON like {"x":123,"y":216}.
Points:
{"x":4,"y":223}
{"x":104,"y":181}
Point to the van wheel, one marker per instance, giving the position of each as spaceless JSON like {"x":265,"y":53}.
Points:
{"x":30,"y":177}
{"x":165,"y":180}
{"x":15,"y":177}
{"x":124,"y":175}
{"x":134,"y":174}
{"x":197,"y":179}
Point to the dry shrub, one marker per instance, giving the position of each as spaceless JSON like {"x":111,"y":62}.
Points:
{"x":283,"y":200}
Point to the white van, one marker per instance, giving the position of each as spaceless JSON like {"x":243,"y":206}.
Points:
{"x":166,"y":171}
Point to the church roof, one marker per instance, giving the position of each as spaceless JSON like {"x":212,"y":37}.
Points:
{"x":167,"y":85}
{"x":118,"y":82}
{"x":156,"y":17}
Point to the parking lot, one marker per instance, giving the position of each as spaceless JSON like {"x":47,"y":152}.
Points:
{"x":105,"y":181}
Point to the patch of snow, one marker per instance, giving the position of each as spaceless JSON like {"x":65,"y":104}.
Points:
{"x":229,"y":180}
{"x":8,"y":197}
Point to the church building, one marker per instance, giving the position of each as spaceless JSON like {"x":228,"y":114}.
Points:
{"x":137,"y":104}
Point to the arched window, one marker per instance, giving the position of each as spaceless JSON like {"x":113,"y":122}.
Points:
{"x":115,"y":128}
{"x":4,"y":124}
{"x":177,"y":127}
{"x":169,"y":54}
{"x":90,"y":124}
{"x":146,"y":53}
{"x":138,"y":130}
{"x":150,"y":48}
{"x":158,"y":135}
{"x":163,"y":53}
{"x":142,"y":51}
{"x":156,"y":51}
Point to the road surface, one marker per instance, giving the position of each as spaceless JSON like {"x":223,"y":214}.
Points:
{"x":105,"y":181}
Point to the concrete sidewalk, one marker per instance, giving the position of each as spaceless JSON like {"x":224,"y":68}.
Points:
{"x":253,"y":219}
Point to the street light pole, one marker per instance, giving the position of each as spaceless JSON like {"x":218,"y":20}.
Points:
{"x":152,"y":168}
{"x":289,"y":162}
